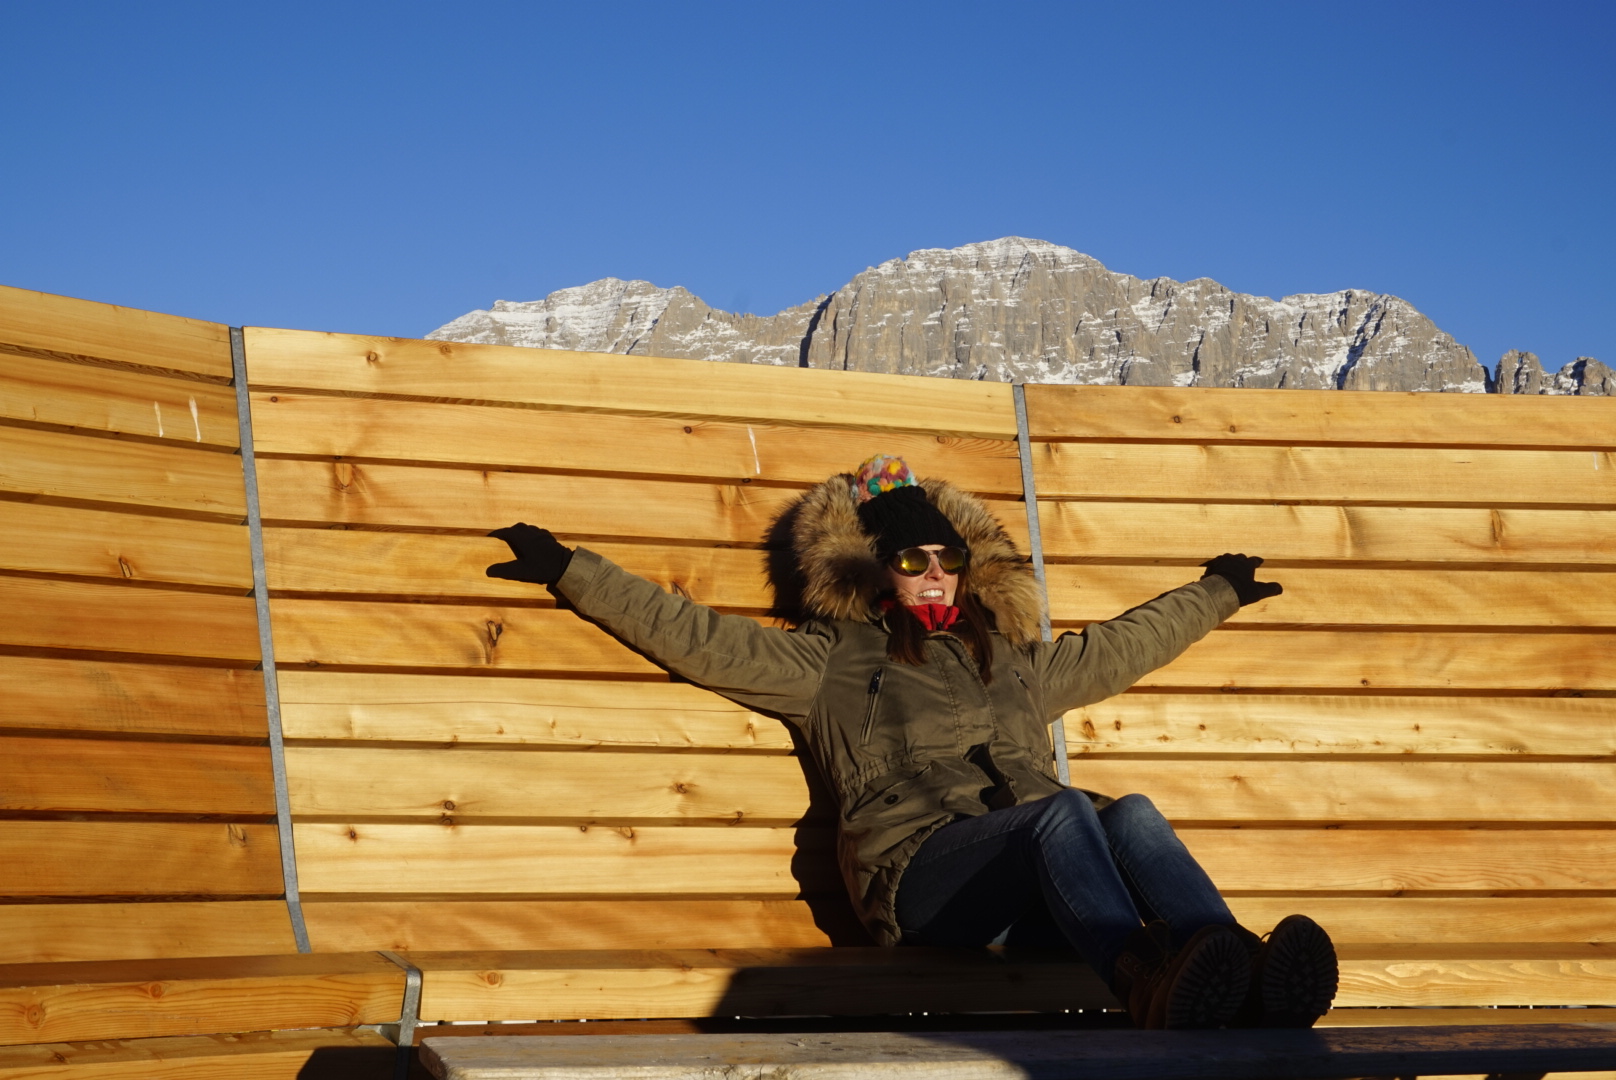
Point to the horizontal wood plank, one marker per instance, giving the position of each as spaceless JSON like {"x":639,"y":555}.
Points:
{"x":1246,"y":724}
{"x":559,"y":860}
{"x":562,"y":924}
{"x":353,"y":1053}
{"x":152,"y":998}
{"x":98,"y":399}
{"x":752,"y":982}
{"x":353,"y":427}
{"x":650,"y":386}
{"x":1423,"y":975}
{"x":429,"y":566}
{"x":579,"y":508}
{"x":55,"y":933}
{"x":361,"y":783}
{"x":485,"y":637}
{"x":1306,"y":659}
{"x":106,"y":775}
{"x":1205,"y":414}
{"x":1342,"y":791}
{"x":1418,"y":920}
{"x":59,"y":467}
{"x":121,"y":858}
{"x":44,"y":614}
{"x":460,"y":709}
{"x":1190,"y":533}
{"x":1310,"y":474}
{"x":495,"y":637}
{"x":60,"y":325}
{"x":166,"y":699}
{"x":1378,"y":597}
{"x":1390,"y":862}
{"x":38,"y":538}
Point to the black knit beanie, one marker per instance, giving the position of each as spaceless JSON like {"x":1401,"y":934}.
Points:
{"x":904,"y":517}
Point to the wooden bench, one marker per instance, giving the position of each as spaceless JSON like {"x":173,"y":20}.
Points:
{"x":1413,"y":744}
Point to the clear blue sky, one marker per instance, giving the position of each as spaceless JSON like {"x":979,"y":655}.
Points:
{"x":382,"y":168}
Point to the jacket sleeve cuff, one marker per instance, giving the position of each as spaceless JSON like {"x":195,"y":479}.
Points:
{"x":1218,"y":588}
{"x":580,"y":576}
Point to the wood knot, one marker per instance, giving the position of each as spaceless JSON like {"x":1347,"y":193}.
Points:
{"x":353,"y":833}
{"x":681,"y":787}
{"x":493,"y":978}
{"x":448,"y":804}
{"x":1178,"y":419}
{"x":153,"y":990}
{"x":373,"y":357}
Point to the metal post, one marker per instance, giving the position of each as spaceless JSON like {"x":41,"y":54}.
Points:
{"x":1035,"y":541}
{"x":409,"y":1014}
{"x":266,"y":643}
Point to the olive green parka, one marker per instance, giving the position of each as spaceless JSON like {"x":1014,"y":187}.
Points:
{"x":905,"y":749}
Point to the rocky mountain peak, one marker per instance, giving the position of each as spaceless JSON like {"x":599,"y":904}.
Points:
{"x":1016,"y":309}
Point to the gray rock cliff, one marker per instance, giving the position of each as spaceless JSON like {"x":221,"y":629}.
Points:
{"x":1026,"y":310}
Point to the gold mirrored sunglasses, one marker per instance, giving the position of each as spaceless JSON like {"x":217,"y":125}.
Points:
{"x":914,"y":561}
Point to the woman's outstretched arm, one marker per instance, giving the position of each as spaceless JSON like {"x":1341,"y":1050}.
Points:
{"x":761,"y":667}
{"x":1108,"y":657}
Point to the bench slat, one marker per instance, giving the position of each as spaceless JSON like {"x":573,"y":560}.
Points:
{"x":98,"y":399}
{"x":82,"y":328}
{"x":1189,"y":533}
{"x":94,"y":695}
{"x":1379,"y":476}
{"x":1015,"y":1055}
{"x":559,"y":985}
{"x":360,"y":783}
{"x":617,"y":923}
{"x":38,"y":933}
{"x":454,"y":372}
{"x":39,"y":538}
{"x":1350,"y":791}
{"x":443,"y":637}
{"x":1205,"y":414}
{"x":468,"y":784}
{"x":1493,"y":599}
{"x":121,"y":776}
{"x":124,"y":858}
{"x":130,"y":999}
{"x":562,"y":860}
{"x":603,"y":923}
{"x":1282,"y":724}
{"x":177,"y":481}
{"x":367,"y":428}
{"x":427,"y":566}
{"x":471,"y":501}
{"x":459,"y":709}
{"x":252,"y":1055}
{"x":45,"y":614}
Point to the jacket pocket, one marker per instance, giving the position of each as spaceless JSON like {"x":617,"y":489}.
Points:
{"x":887,"y":794}
{"x":869,"y":709}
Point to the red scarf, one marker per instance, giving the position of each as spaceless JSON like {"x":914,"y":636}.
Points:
{"x":933,"y":617}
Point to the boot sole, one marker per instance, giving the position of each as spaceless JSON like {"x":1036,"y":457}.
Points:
{"x":1210,"y":986}
{"x":1299,"y":974}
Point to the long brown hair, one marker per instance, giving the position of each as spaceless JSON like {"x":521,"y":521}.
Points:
{"x":906,"y":640}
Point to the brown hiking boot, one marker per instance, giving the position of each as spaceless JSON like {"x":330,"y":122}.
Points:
{"x":1205,"y":984}
{"x":1139,"y":968}
{"x":1293,"y":975}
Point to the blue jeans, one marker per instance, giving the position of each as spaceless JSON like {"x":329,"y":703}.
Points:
{"x":1056,"y":873}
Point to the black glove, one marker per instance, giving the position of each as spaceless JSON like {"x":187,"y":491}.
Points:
{"x":1240,"y":571}
{"x":540,"y":557}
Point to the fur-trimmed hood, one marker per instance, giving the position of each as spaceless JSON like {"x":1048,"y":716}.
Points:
{"x":841,"y":578}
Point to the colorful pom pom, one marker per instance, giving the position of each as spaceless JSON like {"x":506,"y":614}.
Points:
{"x":880,"y":474}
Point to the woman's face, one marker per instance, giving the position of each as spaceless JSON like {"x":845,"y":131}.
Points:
{"x":932,"y":587}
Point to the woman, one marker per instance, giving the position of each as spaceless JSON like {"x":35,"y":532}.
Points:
{"x":924,"y":691}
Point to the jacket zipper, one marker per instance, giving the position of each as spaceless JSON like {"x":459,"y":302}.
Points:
{"x":869,"y":711}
